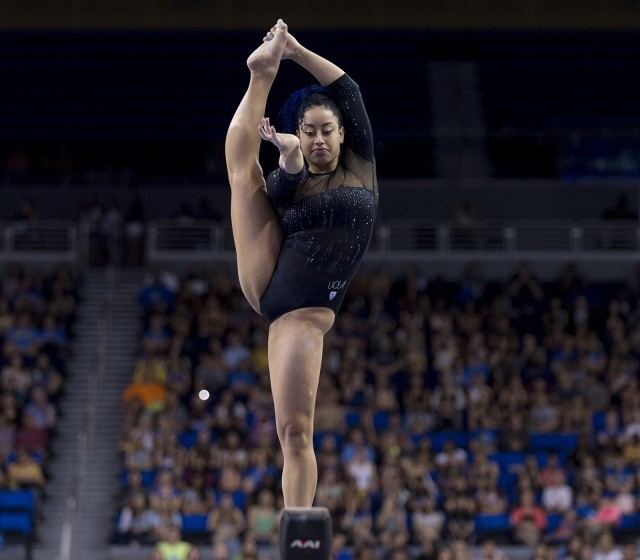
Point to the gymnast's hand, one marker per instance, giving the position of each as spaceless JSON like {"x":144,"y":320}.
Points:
{"x":291,"y":159}
{"x":292,"y":49}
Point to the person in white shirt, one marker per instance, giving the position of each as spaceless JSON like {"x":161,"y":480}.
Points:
{"x":362,"y":470}
{"x":558,"y":496}
{"x":606,"y":550}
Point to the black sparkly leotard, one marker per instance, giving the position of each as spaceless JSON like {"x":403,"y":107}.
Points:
{"x":327,"y":219}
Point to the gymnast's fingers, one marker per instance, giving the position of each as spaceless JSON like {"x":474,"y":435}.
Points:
{"x":263,"y":129}
{"x":263,"y":134}
{"x":274,"y":136}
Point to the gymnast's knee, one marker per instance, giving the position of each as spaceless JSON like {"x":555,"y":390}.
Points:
{"x":296,"y":437}
{"x":245,"y":175}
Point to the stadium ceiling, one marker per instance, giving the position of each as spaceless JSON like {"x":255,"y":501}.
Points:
{"x":336,"y":14}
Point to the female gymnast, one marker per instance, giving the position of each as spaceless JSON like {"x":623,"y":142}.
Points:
{"x":300,"y":235}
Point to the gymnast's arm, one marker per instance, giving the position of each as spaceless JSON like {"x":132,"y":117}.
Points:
{"x":345,"y":91}
{"x":323,"y":70}
{"x":291,"y":158}
{"x":291,"y":171}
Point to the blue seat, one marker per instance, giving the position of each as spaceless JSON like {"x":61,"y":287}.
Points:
{"x":597,"y":420}
{"x":492,"y":523}
{"x":17,"y":500}
{"x":507,"y":459}
{"x":508,"y":483}
{"x":381,"y":420}
{"x":562,"y":444}
{"x":438,"y":439}
{"x":188,"y":439}
{"x":584,"y":511}
{"x":239,"y":499}
{"x":353,"y":418}
{"x":630,"y":522}
{"x":194,"y":524}
{"x":553,"y":521}
{"x":16,"y":523}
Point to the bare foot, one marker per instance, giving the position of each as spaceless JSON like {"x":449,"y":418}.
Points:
{"x":266,"y":58}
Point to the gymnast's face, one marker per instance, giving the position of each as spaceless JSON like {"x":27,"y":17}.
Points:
{"x":320,"y":138}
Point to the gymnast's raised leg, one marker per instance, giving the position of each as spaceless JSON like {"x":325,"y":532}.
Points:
{"x":256,"y":231}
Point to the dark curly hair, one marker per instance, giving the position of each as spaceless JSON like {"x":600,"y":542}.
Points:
{"x":299,"y":101}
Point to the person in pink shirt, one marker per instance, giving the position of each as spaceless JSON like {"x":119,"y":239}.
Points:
{"x":528,"y":520}
{"x":607,"y":515}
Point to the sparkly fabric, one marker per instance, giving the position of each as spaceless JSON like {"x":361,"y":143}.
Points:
{"x":327,"y":219}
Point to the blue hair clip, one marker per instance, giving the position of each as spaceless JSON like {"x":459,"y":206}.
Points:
{"x":289,"y":112}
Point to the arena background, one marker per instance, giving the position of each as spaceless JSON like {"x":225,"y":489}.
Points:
{"x":487,"y":353}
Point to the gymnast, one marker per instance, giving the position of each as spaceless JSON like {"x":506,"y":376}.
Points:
{"x":301,"y":234}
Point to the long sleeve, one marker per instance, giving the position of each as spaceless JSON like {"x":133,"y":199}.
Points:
{"x":359,"y":135}
{"x":282,"y":186}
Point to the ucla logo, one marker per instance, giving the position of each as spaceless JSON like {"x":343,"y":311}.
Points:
{"x":337,"y":285}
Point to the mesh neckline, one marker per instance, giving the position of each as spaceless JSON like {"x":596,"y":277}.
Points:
{"x":312,"y":174}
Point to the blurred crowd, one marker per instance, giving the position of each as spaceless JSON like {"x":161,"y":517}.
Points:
{"x":431,"y":398}
{"x":37,"y":312}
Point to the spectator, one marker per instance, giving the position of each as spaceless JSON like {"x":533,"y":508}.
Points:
{"x":496,"y":367}
{"x":427,"y":522}
{"x":40,"y":411}
{"x":605,"y":549}
{"x":235,"y":351}
{"x":491,"y":552}
{"x":32,"y":437}
{"x":227,"y":522}
{"x":151,"y":393}
{"x":362,"y":470}
{"x":451,"y":457}
{"x":629,"y":552}
{"x":135,"y":521}
{"x":7,"y":436}
{"x":173,"y":548}
{"x":163,"y":519}
{"x":22,"y":338}
{"x":631,"y":451}
{"x":528,"y":520}
{"x":263,"y":519}
{"x":158,"y":293}
{"x":25,"y":472}
{"x":557,"y":496}
{"x":567,"y":529}
{"x":607,"y":515}
{"x":489,"y":499}
{"x":460,"y":510}
{"x":16,"y":378}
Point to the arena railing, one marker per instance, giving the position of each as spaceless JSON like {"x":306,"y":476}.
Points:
{"x":594,"y":240}
{"x":42,"y":241}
